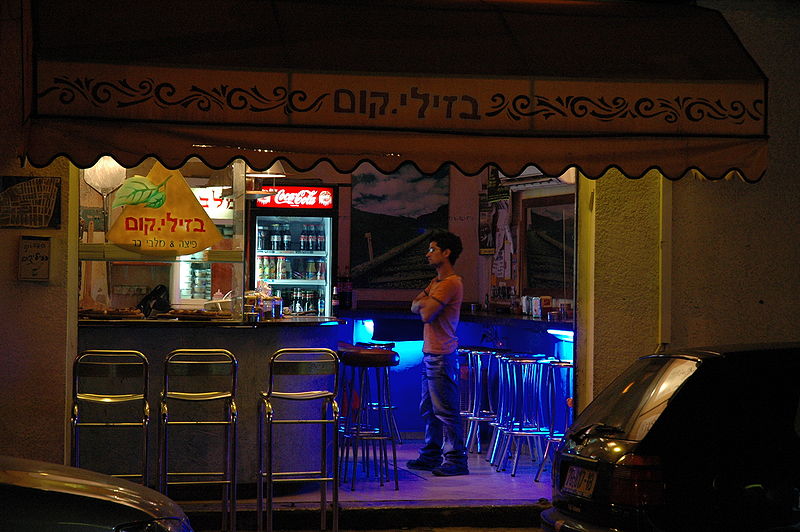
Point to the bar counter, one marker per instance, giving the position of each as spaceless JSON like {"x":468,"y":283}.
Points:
{"x":251,"y":343}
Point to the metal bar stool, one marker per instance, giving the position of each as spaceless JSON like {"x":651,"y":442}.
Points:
{"x":383,"y":398}
{"x":465,"y":399}
{"x":560,"y":393}
{"x":522,"y":422}
{"x":483,"y":395}
{"x":368,"y":419}
{"x":199,"y":394}
{"x":109,"y":390}
{"x":305,"y":375}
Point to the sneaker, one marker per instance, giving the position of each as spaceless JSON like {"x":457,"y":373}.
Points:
{"x":423,"y":464}
{"x":451,"y":470}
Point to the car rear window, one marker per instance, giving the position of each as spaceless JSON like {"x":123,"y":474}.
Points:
{"x":632,"y":403}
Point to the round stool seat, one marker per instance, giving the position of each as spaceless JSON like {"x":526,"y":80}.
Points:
{"x":367,"y":357}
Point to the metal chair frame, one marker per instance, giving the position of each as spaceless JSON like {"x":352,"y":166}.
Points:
{"x":185,"y":371}
{"x":301,"y":363}
{"x":108,"y":364}
{"x":556,"y":434}
{"x":482,"y":394}
{"x":522,"y":420}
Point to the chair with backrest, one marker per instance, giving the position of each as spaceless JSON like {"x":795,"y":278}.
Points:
{"x":197,"y":428}
{"x":109,"y":395}
{"x":300,"y":380}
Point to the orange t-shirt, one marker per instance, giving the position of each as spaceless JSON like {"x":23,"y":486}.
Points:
{"x":439,"y":335}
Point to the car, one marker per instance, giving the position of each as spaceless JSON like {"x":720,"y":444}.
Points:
{"x":49,"y":497}
{"x":703,"y":439}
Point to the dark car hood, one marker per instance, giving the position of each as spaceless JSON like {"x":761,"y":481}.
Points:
{"x":63,"y":479}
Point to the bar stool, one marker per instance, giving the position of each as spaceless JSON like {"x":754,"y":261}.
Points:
{"x":465,"y":389}
{"x":522,"y":421}
{"x":109,"y":391}
{"x":482,"y":394}
{"x":309,"y":375}
{"x":368,"y":412}
{"x":384,"y":390}
{"x":560,"y":392}
{"x":199,"y":392}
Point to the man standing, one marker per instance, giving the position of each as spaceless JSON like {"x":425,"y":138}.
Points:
{"x":439,"y":307}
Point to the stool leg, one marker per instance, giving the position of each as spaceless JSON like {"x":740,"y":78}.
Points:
{"x":260,"y":479}
{"x":335,"y":469}
{"x":269,"y":487}
{"x":323,"y":501}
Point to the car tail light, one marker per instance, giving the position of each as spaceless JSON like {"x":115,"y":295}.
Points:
{"x":637,"y":481}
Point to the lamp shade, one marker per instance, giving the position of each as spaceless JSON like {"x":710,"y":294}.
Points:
{"x":105,"y":176}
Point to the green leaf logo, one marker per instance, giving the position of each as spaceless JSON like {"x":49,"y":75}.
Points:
{"x":139,"y":190}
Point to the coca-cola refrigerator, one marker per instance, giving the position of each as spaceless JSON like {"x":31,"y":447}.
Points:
{"x":290,"y":246}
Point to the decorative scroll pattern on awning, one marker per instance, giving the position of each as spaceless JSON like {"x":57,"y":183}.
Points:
{"x":509,"y":106}
{"x":593,"y":85}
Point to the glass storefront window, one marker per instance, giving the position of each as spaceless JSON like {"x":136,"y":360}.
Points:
{"x":180,"y":231}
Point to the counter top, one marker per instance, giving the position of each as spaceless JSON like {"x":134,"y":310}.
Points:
{"x":300,"y":321}
{"x":515,"y":320}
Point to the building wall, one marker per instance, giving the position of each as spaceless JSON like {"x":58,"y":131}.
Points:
{"x":38,"y":323}
{"x":734,"y":252}
{"x":734,"y":246}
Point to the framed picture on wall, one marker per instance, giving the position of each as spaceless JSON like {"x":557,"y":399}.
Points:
{"x":548,"y":246}
{"x":392,"y":217}
{"x":30,"y":202}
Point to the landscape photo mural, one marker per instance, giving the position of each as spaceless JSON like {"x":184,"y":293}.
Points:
{"x":392,"y":218}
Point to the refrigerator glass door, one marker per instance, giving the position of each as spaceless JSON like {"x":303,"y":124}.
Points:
{"x":293,"y":256}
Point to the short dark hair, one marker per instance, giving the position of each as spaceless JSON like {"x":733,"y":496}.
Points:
{"x":447,"y":240}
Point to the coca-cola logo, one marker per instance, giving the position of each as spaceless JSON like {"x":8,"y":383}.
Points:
{"x":297,"y":197}
{"x":325,"y":198}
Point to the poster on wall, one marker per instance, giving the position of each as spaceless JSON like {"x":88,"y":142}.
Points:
{"x":496,"y":191}
{"x":487,"y":214}
{"x":392,"y":218}
{"x":30,"y":202}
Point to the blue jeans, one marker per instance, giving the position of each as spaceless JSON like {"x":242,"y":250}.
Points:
{"x":440,"y":409}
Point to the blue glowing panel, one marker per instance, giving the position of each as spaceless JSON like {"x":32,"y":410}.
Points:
{"x":410,"y":352}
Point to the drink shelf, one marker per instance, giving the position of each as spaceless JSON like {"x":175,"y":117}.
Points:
{"x":297,"y":282}
{"x":111,"y":252}
{"x":292,"y":252}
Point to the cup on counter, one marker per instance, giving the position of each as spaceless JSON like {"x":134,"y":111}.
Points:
{"x":474,"y":307}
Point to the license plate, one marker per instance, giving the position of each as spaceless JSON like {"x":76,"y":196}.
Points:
{"x":580,"y":481}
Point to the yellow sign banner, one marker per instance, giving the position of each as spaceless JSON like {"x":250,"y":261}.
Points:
{"x":161,"y":216}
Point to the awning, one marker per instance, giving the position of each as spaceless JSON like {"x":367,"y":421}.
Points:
{"x":470,"y":83}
